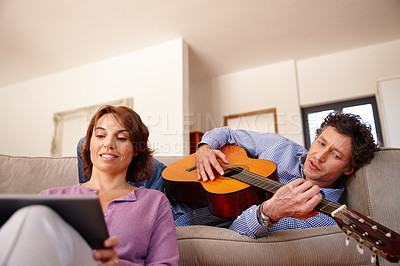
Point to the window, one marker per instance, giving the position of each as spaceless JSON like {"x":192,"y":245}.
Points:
{"x":366,"y":108}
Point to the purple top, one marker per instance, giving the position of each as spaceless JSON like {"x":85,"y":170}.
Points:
{"x":143,"y":222}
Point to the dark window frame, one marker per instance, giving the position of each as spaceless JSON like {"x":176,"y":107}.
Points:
{"x":338,"y":106}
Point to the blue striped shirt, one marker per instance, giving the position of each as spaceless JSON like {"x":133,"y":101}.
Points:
{"x":289,"y":158}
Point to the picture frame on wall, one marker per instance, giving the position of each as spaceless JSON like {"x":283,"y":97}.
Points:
{"x":260,"y":121}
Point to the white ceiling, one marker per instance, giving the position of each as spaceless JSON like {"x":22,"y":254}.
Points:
{"x":40,"y":37}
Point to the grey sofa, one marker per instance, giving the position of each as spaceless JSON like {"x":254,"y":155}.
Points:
{"x":373,"y":191}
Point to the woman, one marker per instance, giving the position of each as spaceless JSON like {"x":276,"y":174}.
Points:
{"x":139,"y":220}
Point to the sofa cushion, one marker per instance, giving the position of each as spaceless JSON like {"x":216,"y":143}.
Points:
{"x":204,"y":245}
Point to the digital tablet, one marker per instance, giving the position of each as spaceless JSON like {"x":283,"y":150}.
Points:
{"x":83,"y":212}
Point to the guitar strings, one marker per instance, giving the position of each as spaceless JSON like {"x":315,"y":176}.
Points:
{"x":256,"y":180}
{"x":272,"y":186}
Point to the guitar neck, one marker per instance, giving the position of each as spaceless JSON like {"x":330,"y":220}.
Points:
{"x":269,"y":185}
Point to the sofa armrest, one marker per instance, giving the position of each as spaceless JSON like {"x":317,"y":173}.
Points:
{"x":205,"y":245}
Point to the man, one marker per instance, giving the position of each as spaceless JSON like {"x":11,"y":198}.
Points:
{"x":343,"y":145}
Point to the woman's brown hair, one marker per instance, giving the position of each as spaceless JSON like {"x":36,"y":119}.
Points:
{"x":141,"y":164}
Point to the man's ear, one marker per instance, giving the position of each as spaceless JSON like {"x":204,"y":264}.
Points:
{"x":349,"y":170}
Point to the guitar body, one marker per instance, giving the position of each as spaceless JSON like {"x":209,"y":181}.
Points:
{"x":225,"y":196}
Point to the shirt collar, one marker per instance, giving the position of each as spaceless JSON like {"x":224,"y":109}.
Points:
{"x":302,"y":159}
{"x":132,"y":196}
{"x":332,"y":193}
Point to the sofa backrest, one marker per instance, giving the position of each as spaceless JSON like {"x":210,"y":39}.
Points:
{"x":167,"y":160}
{"x":19,"y":174}
{"x":33,"y":174}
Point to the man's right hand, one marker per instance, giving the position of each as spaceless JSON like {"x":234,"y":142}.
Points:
{"x":207,"y":163}
{"x":297,"y":199}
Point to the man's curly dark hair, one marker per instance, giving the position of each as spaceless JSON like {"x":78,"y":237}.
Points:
{"x":363,"y":144}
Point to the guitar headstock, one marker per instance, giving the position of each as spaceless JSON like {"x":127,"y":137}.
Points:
{"x":378,"y":238}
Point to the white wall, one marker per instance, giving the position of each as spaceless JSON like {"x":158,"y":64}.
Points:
{"x":347,"y":75}
{"x":389,"y":94}
{"x":290,"y":85}
{"x":155,"y":77}
{"x":250,"y":90}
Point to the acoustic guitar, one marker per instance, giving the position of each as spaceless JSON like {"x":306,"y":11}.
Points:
{"x":244,"y":184}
